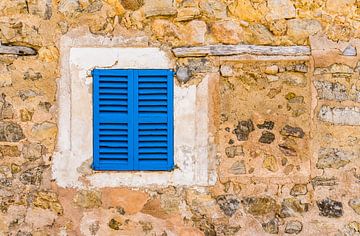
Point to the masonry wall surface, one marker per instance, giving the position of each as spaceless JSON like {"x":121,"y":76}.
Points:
{"x":268,"y":137}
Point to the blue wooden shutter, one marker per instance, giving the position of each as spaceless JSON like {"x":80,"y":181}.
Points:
{"x":113,"y":119}
{"x":153,"y":120}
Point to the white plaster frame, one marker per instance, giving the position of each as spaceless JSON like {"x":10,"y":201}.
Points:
{"x":193,"y":153}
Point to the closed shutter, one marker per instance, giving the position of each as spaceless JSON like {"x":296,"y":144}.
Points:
{"x":153,"y":120}
{"x":112,"y":119}
{"x":133,"y":119}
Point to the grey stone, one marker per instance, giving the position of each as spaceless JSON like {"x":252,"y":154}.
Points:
{"x":272,"y":226}
{"x":238,"y":168}
{"x":340,"y":115}
{"x":201,"y":65}
{"x":330,"y":208}
{"x":10,"y":132}
{"x":292,"y":131}
{"x":331,"y":91}
{"x":229,"y":204}
{"x":294,"y":78}
{"x":33,"y":176}
{"x":25,"y":94}
{"x":298,"y":68}
{"x":333,"y":158}
{"x":324,"y":181}
{"x":234,"y":151}
{"x":293,"y":227}
{"x":243,"y":129}
{"x":350,"y":51}
{"x":268,"y":124}
{"x":182,"y":74}
{"x":267,"y":137}
{"x":226,"y":71}
{"x":94,"y":6}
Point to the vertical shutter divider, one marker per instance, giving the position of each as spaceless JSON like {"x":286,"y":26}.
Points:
{"x":170,"y":114}
{"x":135,"y":127}
{"x":95,"y":119}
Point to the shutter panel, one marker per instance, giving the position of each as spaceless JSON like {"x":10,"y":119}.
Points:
{"x":153,"y":117}
{"x":112,"y":119}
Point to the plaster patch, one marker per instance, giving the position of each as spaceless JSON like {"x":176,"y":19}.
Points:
{"x":74,"y":147}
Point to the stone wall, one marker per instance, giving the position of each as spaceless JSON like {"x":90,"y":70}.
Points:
{"x":285,"y":126}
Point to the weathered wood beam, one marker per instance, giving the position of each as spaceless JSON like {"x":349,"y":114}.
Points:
{"x":17,"y":50}
{"x":228,"y":50}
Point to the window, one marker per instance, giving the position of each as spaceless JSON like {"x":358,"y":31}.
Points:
{"x":132,"y":119}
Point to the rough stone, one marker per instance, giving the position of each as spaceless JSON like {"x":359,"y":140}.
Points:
{"x":10,"y":132}
{"x":88,"y":199}
{"x":244,"y":10}
{"x":355,"y":205}
{"x":267,"y":137}
{"x":213,"y":9}
{"x":188,"y":11}
{"x":293,"y":227}
{"x":268,"y":124}
{"x":333,"y":158}
{"x":272,"y":70}
{"x":48,"y":200}
{"x":33,"y":151}
{"x":340,"y":115}
{"x":270,"y":163}
{"x":9,"y":151}
{"x":292,"y":131}
{"x":272,"y":226}
{"x":234,"y":151}
{"x":330,"y":208}
{"x":350,"y":51}
{"x":324,"y":181}
{"x":335,"y":68}
{"x":33,"y":176}
{"x":226,"y":71}
{"x":238,"y":168}
{"x":298,"y":189}
{"x":331,"y":91}
{"x":294,"y":78}
{"x":259,"y":205}
{"x":229,"y":204}
{"x":132,"y":4}
{"x":292,"y":206}
{"x":259,"y":34}
{"x":159,"y":8}
{"x":44,"y":130}
{"x":114,"y":224}
{"x":281,"y":9}
{"x":26,"y":115}
{"x":197,"y":37}
{"x":227,"y":32}
{"x":339,"y":6}
{"x":299,"y":30}
{"x":243,"y":129}
{"x":25,"y":94}
{"x":182,"y":74}
{"x":69,"y":8}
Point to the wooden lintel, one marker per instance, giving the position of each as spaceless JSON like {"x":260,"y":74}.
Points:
{"x":17,"y":50}
{"x":229,"y":50}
